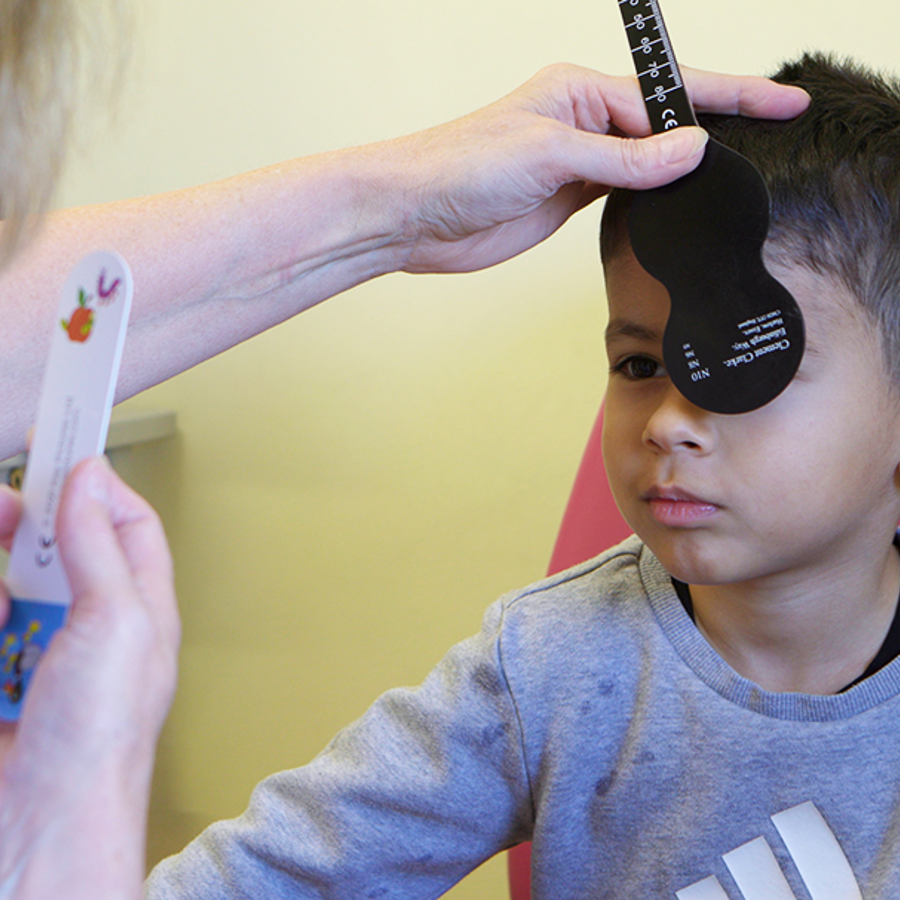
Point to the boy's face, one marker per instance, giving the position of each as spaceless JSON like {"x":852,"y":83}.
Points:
{"x":806,"y":482}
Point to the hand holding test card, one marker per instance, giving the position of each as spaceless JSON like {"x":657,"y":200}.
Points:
{"x":72,"y":424}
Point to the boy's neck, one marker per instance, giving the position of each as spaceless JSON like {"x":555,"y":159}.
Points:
{"x":812,"y":635}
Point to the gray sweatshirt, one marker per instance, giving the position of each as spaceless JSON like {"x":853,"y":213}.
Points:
{"x":591,"y":717}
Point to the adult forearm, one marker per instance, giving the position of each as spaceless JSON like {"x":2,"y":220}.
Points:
{"x":90,"y":847}
{"x":213,"y":266}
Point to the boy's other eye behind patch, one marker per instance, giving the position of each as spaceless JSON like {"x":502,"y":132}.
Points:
{"x":638,"y":368}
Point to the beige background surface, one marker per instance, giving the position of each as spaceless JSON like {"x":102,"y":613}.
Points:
{"x":348,"y":492}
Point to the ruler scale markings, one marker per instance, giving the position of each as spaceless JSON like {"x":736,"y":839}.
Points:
{"x":653,"y":72}
{"x":651,"y":50}
{"x":655,"y":64}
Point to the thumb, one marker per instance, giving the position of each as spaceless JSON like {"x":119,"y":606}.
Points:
{"x":642,"y":163}
{"x":112,"y":543}
{"x":120,"y":644}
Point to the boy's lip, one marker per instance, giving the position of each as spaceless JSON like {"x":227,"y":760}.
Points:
{"x":674,"y":506}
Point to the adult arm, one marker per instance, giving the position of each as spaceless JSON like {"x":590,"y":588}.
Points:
{"x":219,"y":263}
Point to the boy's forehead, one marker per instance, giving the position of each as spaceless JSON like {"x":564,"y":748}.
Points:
{"x":636,"y":299}
{"x":828,"y":306}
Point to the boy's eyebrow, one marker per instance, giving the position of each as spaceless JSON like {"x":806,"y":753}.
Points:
{"x":626,"y":328}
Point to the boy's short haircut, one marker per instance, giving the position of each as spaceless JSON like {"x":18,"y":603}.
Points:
{"x":834,"y":176}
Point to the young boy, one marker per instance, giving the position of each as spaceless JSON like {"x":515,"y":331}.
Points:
{"x":709,"y":710}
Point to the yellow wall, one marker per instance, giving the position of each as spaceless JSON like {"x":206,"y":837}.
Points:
{"x":348,"y":493}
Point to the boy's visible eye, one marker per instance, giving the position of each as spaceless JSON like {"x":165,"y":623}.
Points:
{"x":638,"y":368}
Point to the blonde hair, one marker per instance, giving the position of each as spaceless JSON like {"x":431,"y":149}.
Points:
{"x":50,"y":50}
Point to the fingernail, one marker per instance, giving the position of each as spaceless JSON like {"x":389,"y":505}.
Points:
{"x":683,"y":143}
{"x":97,"y":483}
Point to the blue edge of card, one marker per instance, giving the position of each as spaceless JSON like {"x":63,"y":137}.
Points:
{"x":23,"y":642}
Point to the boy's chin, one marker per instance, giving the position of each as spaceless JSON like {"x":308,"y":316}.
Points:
{"x":687,"y":562}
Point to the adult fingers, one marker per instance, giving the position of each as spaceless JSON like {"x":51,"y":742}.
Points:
{"x":602,"y":104}
{"x":592,"y":101}
{"x":10,"y":513}
{"x":114,"y":550}
{"x":744,"y":95}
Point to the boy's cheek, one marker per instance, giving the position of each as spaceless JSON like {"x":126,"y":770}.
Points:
{"x":622,"y":437}
{"x":622,"y":483}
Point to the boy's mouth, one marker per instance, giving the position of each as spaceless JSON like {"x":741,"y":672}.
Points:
{"x":675,"y":507}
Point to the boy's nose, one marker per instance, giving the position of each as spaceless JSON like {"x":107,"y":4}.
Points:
{"x":677,"y":424}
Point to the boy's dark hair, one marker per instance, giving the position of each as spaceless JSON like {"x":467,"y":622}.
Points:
{"x":834,"y":176}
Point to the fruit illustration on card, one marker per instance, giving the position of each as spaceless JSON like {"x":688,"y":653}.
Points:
{"x":79,"y":325}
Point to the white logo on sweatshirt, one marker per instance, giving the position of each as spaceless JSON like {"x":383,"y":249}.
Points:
{"x":816,"y":854}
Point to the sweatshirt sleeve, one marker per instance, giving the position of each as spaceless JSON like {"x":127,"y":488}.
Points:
{"x":428,"y":784}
